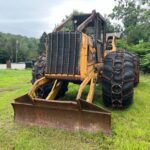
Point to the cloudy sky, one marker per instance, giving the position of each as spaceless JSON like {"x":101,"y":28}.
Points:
{"x":32,"y":17}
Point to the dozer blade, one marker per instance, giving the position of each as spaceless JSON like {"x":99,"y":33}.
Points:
{"x":70,"y":115}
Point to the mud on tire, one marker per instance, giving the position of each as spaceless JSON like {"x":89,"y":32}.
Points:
{"x":38,"y":71}
{"x":118,"y":79}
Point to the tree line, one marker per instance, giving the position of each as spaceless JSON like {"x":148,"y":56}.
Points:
{"x":18,"y":48}
{"x":135,"y":18}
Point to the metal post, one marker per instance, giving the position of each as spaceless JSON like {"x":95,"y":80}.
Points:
{"x":16,"y":49}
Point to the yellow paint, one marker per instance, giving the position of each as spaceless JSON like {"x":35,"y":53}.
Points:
{"x":83,"y":56}
{"x":91,"y":91}
{"x":62,"y":75}
{"x":36,"y":85}
{"x":90,"y":78}
{"x":54,"y":91}
{"x":114,"y":44}
{"x":113,"y":47}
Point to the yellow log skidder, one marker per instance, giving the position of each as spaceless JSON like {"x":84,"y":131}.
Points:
{"x":85,"y":55}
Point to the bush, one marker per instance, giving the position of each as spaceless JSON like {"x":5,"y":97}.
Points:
{"x":145,"y":63}
{"x":142,"y":49}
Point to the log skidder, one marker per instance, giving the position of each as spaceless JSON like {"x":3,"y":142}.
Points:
{"x":78,"y":56}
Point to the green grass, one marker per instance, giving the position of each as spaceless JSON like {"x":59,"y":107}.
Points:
{"x":130,"y":127}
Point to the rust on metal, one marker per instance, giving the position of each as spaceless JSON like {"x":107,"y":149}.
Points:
{"x":70,"y":115}
{"x":63,"y":77}
{"x":87,"y":21}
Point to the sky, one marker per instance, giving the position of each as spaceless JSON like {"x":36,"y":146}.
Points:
{"x":32,"y":17}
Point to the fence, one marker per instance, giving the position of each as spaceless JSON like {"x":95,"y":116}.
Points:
{"x":13,"y":66}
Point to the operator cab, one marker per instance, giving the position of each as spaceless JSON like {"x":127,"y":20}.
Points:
{"x":95,"y":27}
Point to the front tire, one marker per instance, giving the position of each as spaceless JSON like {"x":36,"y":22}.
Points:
{"x":118,"y":79}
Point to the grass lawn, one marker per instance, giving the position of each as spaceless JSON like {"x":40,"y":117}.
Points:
{"x":130,"y":127}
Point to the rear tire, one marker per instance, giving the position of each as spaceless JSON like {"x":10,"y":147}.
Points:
{"x":118,"y":79}
{"x":39,"y":68}
{"x":38,"y":71}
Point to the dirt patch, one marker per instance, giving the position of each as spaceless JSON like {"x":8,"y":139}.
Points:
{"x":7,"y":90}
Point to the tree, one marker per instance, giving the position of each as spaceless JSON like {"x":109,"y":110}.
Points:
{"x":42,"y":47}
{"x":27,"y":47}
{"x":4,"y":56}
{"x":112,"y":27}
{"x":127,"y":11}
{"x":135,"y":17}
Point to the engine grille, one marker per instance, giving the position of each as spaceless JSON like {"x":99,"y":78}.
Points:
{"x":63,"y":53}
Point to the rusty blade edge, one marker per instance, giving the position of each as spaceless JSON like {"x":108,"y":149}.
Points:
{"x":98,"y":112}
{"x":104,"y":124}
